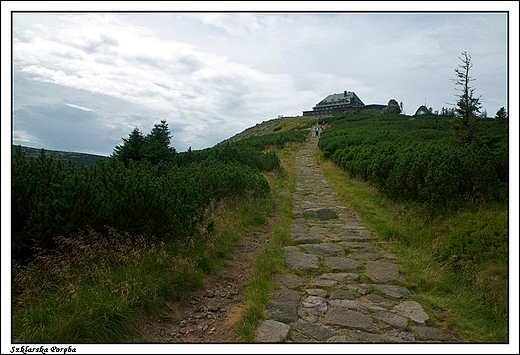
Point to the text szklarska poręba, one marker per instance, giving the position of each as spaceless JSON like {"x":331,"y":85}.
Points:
{"x":42,"y":350}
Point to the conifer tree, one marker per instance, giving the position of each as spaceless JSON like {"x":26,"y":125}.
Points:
{"x":468,"y":106}
{"x":131,"y":148}
{"x":156,"y":145}
{"x":501,"y":115}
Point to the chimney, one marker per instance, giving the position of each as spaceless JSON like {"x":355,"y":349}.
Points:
{"x":345,"y":93}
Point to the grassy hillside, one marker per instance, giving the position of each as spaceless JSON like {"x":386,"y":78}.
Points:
{"x":275,"y":125}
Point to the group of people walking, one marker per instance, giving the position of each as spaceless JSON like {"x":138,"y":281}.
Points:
{"x":316,"y":130}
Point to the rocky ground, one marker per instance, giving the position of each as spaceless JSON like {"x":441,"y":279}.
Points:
{"x":342,"y":285}
{"x":207,"y":315}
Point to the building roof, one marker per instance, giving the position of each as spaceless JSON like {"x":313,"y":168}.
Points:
{"x":422,"y":110}
{"x":338,"y":99}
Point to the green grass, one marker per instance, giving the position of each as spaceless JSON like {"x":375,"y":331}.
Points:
{"x":92,"y":288}
{"x":271,"y":259}
{"x":468,"y":300}
{"x":95,"y":288}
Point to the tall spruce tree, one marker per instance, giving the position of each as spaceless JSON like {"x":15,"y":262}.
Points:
{"x":156,"y":146}
{"x":131,"y":147}
{"x":466,"y":121}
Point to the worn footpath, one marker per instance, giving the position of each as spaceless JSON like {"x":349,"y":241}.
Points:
{"x":341,"y":284}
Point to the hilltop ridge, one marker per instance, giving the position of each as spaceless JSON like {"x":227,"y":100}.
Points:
{"x":274,"y":125}
{"x":259,"y":129}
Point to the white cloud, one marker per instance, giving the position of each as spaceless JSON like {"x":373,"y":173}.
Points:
{"x":79,"y":107}
{"x":234,"y":24}
{"x":26,"y":139}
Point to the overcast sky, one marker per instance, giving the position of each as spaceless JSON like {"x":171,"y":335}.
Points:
{"x":83,"y":81}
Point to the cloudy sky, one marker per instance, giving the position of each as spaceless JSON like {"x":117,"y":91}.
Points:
{"x":83,"y":81}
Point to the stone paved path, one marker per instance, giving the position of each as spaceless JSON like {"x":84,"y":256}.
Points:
{"x":341,"y":285}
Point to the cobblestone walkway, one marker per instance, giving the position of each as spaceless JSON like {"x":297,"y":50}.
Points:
{"x":341,"y":285}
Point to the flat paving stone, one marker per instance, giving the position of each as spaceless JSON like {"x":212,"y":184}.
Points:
{"x":337,"y":263}
{"x":349,"y":304}
{"x":393,"y":319}
{"x":412,"y":310}
{"x":319,"y":230}
{"x":399,"y":336}
{"x":290,"y":281}
{"x":364,"y":337}
{"x":320,"y":213}
{"x":285,"y":296}
{"x":310,"y":239}
{"x":323,"y":249}
{"x":427,"y":333}
{"x":283,"y":312}
{"x":340,"y":276}
{"x":300,"y":261}
{"x":323,"y":282}
{"x":382,"y":271}
{"x":395,"y":291}
{"x":316,"y":292}
{"x":319,"y":304}
{"x":298,"y":337}
{"x":342,"y":295}
{"x":377,"y":300}
{"x":362,"y":289}
{"x":298,"y":229}
{"x":341,"y":339}
{"x":348,"y":318}
{"x":364,"y":256}
{"x":358,"y":246}
{"x":310,"y":315}
{"x":315,"y":331}
{"x":270,"y":331}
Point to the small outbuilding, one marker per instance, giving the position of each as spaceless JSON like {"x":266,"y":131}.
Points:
{"x":423,"y":110}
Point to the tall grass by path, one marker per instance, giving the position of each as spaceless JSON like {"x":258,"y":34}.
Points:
{"x":271,"y":259}
{"x":470,"y":305}
{"x":96,"y":288}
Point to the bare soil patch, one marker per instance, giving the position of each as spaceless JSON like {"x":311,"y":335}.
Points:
{"x":207,"y":315}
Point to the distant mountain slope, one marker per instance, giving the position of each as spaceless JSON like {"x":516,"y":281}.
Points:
{"x":76,"y":158}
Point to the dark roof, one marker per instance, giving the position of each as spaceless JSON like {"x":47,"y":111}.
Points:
{"x":422,"y":110}
{"x":338,"y":99}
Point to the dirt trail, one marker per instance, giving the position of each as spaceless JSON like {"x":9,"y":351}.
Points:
{"x":207,"y":315}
